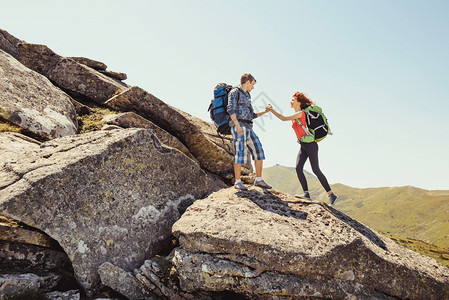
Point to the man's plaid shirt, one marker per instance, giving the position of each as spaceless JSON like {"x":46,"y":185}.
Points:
{"x":239,"y":103}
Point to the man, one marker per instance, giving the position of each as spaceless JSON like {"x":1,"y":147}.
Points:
{"x":242,"y":114}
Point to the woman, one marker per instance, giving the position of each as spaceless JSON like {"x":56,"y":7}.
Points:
{"x":300,"y":102}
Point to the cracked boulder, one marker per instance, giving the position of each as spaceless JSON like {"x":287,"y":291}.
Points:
{"x":266,"y":245}
{"x":30,"y":101}
{"x":105,"y":196}
{"x":199,"y":136}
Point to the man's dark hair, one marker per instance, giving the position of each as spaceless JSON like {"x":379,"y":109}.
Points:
{"x":247,"y":77}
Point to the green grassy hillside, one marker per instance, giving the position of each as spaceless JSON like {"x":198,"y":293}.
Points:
{"x":405,"y":212}
{"x":441,"y":254}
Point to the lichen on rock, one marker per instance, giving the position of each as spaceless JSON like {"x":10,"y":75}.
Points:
{"x":100,"y":193}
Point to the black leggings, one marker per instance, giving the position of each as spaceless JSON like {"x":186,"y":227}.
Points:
{"x":310,"y":150}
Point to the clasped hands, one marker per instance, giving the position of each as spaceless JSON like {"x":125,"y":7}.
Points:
{"x":269,"y":108}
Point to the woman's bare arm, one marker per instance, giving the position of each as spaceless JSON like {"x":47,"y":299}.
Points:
{"x":281,"y":117}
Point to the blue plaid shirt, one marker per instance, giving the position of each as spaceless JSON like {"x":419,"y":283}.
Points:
{"x":239,"y":103}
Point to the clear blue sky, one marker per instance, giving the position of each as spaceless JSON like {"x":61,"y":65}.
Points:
{"x":379,"y":69}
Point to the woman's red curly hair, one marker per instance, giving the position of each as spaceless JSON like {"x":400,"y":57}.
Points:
{"x":301,"y":98}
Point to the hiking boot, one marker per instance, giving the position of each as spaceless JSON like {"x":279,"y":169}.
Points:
{"x":262,"y":184}
{"x":240,"y":186}
{"x":332,"y":198}
{"x":305,"y":196}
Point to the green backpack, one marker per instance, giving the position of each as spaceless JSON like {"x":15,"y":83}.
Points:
{"x":317,"y":125}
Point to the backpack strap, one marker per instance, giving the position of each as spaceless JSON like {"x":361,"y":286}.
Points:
{"x":238,"y":95}
{"x":222,"y":140}
{"x":303,"y":127}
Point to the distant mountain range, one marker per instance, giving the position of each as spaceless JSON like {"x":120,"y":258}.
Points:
{"x":406,"y":211}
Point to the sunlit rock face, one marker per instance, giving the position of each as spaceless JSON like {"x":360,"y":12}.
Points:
{"x":30,"y":101}
{"x":104,"y":196}
{"x":265,"y":244}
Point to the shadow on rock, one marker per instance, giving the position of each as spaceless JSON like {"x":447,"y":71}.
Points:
{"x":359,"y":227}
{"x":272,"y":203}
{"x":362,"y":229}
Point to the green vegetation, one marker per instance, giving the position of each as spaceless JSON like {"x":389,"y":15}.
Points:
{"x":440,"y":254}
{"x":86,"y":123}
{"x":6,"y":126}
{"x":406,"y":212}
{"x":93,"y":121}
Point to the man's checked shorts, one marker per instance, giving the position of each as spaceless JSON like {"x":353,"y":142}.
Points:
{"x":248,"y":140}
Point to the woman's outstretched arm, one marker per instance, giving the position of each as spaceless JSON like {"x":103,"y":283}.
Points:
{"x":281,"y":117}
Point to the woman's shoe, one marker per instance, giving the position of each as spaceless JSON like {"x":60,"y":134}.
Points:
{"x":305,"y":196}
{"x":332,"y":198}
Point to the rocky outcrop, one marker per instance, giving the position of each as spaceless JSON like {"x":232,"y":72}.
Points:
{"x":115,"y":75}
{"x":267,"y":244}
{"x":106,"y":196}
{"x":94,"y":64}
{"x":193,"y":132}
{"x":9,"y":43}
{"x":16,"y":284}
{"x":123,"y":282}
{"x":38,"y":58}
{"x":82,"y":81}
{"x":105,"y":205}
{"x":133,"y":120}
{"x":155,"y":279}
{"x":81,"y":77}
{"x":30,"y":101}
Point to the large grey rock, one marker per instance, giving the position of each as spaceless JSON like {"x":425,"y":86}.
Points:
{"x":13,"y":147}
{"x":82,"y":81}
{"x":38,"y":58}
{"x":217,"y":273}
{"x":8,"y":43}
{"x":123,"y":282}
{"x":198,"y":135}
{"x":105,"y":196}
{"x":155,"y":279}
{"x":30,"y":101}
{"x":133,"y":120}
{"x":16,"y":285}
{"x":266,"y":244}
